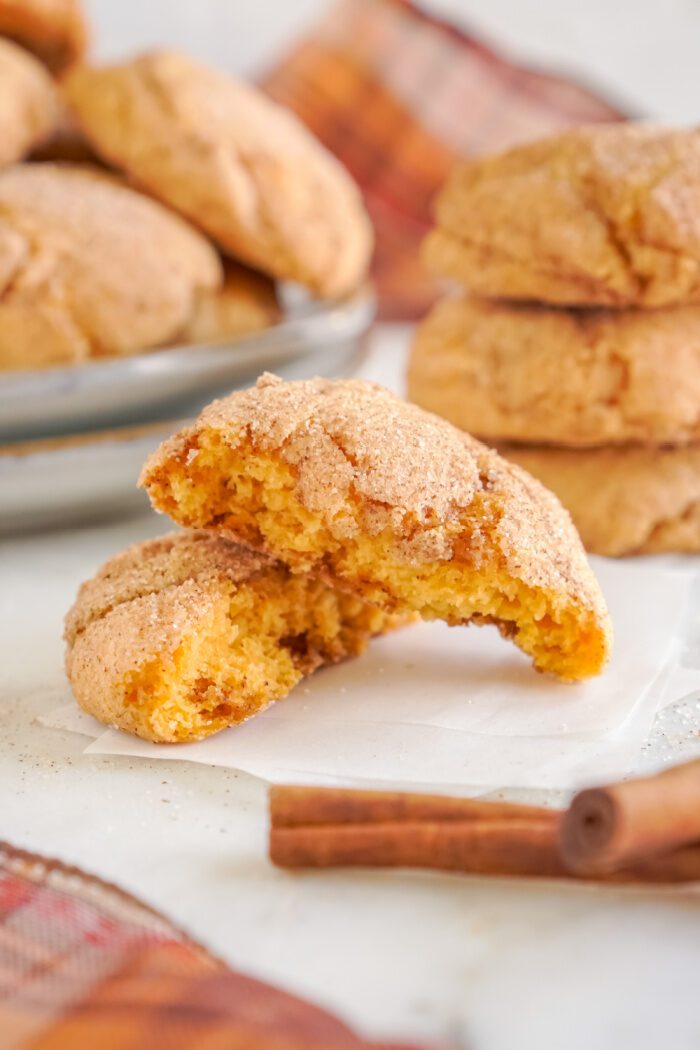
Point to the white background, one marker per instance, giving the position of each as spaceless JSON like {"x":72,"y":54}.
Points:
{"x":643,"y":51}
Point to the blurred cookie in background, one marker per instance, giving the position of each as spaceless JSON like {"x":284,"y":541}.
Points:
{"x":100,"y":268}
{"x":29,"y":104}
{"x":246,"y":303}
{"x":602,"y":215}
{"x":54,"y":30}
{"x":623,"y":500}
{"x":65,"y":143}
{"x":580,"y":377}
{"x":238,"y":165}
{"x":38,"y":334}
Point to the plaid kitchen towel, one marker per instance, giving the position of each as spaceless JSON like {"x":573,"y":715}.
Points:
{"x":399,"y":95}
{"x":85,"y":966}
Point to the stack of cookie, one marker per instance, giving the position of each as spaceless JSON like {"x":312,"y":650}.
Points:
{"x":577,"y":348}
{"x":197,"y":194}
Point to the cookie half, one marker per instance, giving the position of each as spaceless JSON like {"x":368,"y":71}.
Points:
{"x":603,"y":215}
{"x":345,"y":479}
{"x":177,"y":638}
{"x":91,"y":268}
{"x":623,"y":501}
{"x":235,"y":163}
{"x":55,"y":30}
{"x":29,"y":105}
{"x":568,"y":377}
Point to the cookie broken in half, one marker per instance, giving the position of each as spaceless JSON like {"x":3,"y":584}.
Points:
{"x":345,"y":480}
{"x":179,"y":637}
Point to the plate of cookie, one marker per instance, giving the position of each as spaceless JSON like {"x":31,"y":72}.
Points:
{"x":175,"y":381}
{"x":202,"y":236}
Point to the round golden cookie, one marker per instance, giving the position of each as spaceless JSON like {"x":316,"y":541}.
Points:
{"x":89,"y":267}
{"x":234,"y":162}
{"x":567,"y":377}
{"x":246,"y":303}
{"x":343,"y":478}
{"x":179,"y":637}
{"x":29,"y":108}
{"x":601,"y":215}
{"x":55,"y":30}
{"x":623,"y":500}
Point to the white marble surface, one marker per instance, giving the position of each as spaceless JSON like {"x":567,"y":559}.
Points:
{"x":486,"y":965}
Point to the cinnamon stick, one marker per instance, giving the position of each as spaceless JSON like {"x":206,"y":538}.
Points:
{"x":498,"y":847}
{"x":314,"y":806}
{"x":502,"y":847}
{"x":609,"y":828}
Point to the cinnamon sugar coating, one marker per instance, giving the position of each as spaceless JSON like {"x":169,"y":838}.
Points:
{"x":394,"y":503}
{"x":153,"y":567}
{"x":624,"y":501}
{"x":238,"y":165}
{"x":29,"y":108}
{"x":568,"y":377}
{"x":55,"y":30}
{"x":176,"y":638}
{"x":600,"y":215}
{"x":89,"y":267}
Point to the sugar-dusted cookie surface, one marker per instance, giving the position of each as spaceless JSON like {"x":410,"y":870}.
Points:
{"x":343,"y":478}
{"x":29,"y":105}
{"x":606,"y":214}
{"x":624,"y":501}
{"x":89,"y":267}
{"x":246,"y":303}
{"x":234,"y":162}
{"x":179,"y":637}
{"x":568,"y":377}
{"x":55,"y":30}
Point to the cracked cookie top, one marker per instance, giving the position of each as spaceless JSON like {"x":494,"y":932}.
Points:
{"x":240,"y":166}
{"x":89,"y":267}
{"x":606,"y":214}
{"x":163,"y":564}
{"x":569,"y":377}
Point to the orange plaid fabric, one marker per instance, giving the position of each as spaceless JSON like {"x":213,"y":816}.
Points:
{"x":85,"y":966}
{"x":398,"y":96}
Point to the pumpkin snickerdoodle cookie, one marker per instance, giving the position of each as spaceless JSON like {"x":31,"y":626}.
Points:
{"x":89,"y":267}
{"x":234,"y":162}
{"x":29,"y":106}
{"x":179,"y":637}
{"x":560,"y":376}
{"x":55,"y":30}
{"x":623,"y":501}
{"x":600,"y":215}
{"x":246,"y":303}
{"x":345,"y":479}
